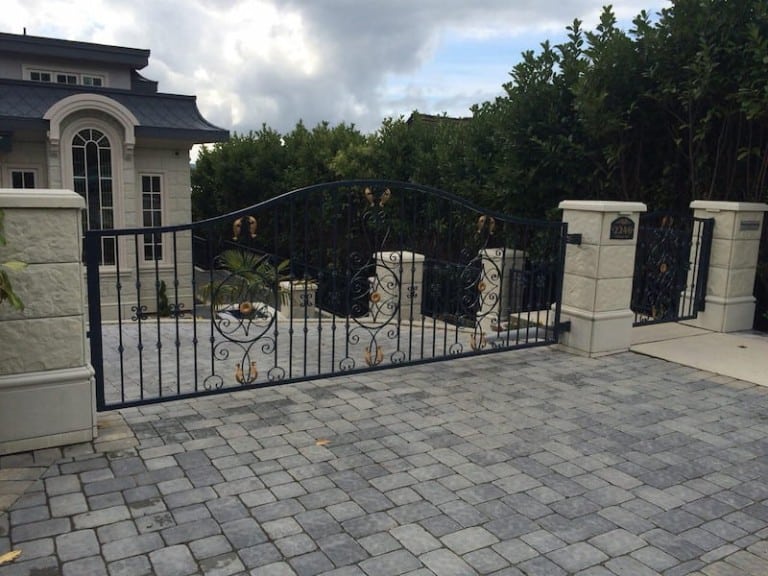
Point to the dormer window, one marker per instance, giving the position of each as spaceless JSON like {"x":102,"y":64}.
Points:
{"x":71,"y":78}
{"x":37,"y":76}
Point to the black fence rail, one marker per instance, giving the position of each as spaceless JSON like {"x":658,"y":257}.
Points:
{"x":671,"y":267}
{"x":334,"y":278}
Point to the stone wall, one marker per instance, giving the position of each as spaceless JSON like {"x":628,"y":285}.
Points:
{"x":46,"y":387}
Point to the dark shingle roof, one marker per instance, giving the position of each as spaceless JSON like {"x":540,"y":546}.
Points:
{"x":167,"y":116}
{"x":72,"y":50}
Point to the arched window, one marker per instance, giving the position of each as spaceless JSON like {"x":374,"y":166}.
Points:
{"x":92,"y":178}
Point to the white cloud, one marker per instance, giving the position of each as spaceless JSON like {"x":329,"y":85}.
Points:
{"x":263,"y":61}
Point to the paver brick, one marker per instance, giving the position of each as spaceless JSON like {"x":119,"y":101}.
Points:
{"x":577,"y":557}
{"x":74,"y":545}
{"x":173,"y":561}
{"x":132,"y":546}
{"x":91,"y":566}
{"x":210,"y":546}
{"x":134,"y":566}
{"x":391,"y":564}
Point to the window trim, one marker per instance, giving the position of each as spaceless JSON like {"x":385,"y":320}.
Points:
{"x":162,"y":211}
{"x":35,"y":170}
{"x":112,"y":131}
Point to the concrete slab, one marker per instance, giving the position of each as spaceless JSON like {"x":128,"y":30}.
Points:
{"x":664,"y":332}
{"x":742,"y":355}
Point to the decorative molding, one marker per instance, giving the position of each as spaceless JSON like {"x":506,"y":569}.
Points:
{"x":64,"y":108}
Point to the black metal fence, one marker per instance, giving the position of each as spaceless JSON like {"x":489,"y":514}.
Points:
{"x":334,"y":278}
{"x":671,"y":267}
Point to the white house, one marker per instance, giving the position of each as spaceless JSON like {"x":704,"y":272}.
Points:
{"x":78,"y":115}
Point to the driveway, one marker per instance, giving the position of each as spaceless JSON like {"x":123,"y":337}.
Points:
{"x":527,"y":462}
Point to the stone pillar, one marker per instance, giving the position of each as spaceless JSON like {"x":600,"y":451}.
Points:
{"x":46,"y":382}
{"x":499,"y":298}
{"x":399,"y":281}
{"x":730,"y":300}
{"x":597,"y":286}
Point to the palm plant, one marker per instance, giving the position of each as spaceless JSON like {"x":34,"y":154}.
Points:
{"x":247,"y":277}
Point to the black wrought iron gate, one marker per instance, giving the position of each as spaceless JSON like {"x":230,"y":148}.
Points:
{"x":671,"y":267}
{"x":333,"y":278}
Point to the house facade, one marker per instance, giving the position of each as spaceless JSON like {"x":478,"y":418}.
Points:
{"x":80,"y":116}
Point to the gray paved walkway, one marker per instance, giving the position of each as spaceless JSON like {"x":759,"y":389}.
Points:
{"x":528,"y":462}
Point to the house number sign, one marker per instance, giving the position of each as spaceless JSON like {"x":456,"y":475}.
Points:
{"x":622,"y":228}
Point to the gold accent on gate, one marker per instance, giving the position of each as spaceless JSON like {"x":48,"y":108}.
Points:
{"x":253,"y":373}
{"x":477,"y":343}
{"x":484,"y":220}
{"x":371,"y":197}
{"x":374,"y":361}
{"x":375,"y":297}
{"x":481,"y":287}
{"x":237,"y":227}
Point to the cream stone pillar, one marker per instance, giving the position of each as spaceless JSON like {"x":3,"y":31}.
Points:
{"x":399,"y":280}
{"x":597,"y":286}
{"x":499,"y":298}
{"x":46,"y":382}
{"x":730,"y":300}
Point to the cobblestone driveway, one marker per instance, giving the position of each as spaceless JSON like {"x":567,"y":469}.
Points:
{"x":529,"y":462}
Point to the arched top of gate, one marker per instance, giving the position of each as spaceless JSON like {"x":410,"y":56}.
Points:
{"x":378,"y":188}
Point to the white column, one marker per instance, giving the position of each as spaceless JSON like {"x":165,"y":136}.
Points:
{"x":498,"y":298}
{"x":46,"y":382}
{"x":730,"y":300}
{"x":398,"y":285}
{"x":597,"y":286}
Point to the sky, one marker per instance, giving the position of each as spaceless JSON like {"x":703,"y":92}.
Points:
{"x":278,"y":62}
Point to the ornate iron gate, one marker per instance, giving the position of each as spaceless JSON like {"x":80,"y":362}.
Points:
{"x":334,"y":278}
{"x":671,"y":267}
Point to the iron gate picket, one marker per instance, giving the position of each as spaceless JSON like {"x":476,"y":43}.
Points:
{"x":671,"y":267}
{"x":329,"y":279}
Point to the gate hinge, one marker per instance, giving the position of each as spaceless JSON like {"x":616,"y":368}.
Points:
{"x":573,"y":239}
{"x":564,"y":326}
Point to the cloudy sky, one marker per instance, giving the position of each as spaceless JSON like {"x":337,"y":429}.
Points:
{"x":357,"y":61}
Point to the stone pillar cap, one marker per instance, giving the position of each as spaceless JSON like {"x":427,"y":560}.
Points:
{"x":715,"y":206}
{"x":40,"y":198}
{"x":602,"y":206}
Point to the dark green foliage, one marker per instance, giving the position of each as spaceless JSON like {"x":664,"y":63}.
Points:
{"x":673,"y":110}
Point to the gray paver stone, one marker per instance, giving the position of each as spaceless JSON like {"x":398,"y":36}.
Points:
{"x":415,"y":539}
{"x":134,"y":566}
{"x":173,"y":561}
{"x":274,"y":569}
{"x":92,"y":566}
{"x":310,"y":564}
{"x":617,"y":542}
{"x":190,"y":531}
{"x":445,"y":563}
{"x":223,"y":565}
{"x":295,"y":545}
{"x":390,"y":564}
{"x":577,"y":557}
{"x":79,"y":544}
{"x":101,"y":517}
{"x":243,"y":533}
{"x":131,"y":546}
{"x":469,"y":539}
{"x":342,"y":550}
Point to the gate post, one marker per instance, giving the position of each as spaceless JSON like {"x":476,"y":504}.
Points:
{"x":730,"y":300}
{"x":46,"y":383}
{"x":597,"y":285}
